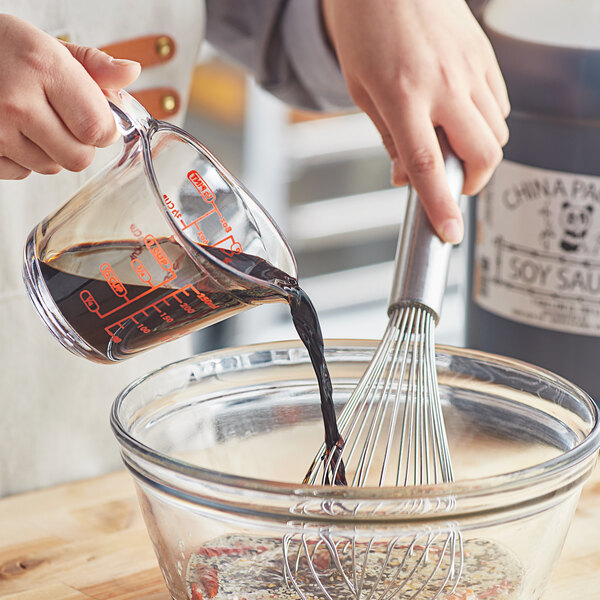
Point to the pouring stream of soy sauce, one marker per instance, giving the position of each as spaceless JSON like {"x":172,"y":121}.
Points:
{"x":306,"y":322}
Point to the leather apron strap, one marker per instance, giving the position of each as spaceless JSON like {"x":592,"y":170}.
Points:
{"x":150,"y":50}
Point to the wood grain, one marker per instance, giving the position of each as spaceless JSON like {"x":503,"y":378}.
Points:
{"x":87,"y":541}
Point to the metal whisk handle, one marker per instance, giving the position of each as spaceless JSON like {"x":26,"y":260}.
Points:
{"x":421,"y":268}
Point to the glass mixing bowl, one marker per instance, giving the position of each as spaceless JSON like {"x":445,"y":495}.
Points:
{"x":218,"y":444}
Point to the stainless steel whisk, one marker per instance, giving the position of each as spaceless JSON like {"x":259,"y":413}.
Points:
{"x":394,"y":435}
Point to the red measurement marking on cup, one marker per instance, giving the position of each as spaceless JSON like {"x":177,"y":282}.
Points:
{"x":176,"y":300}
{"x":173,"y":209}
{"x":113,"y":281}
{"x":196,"y":225}
{"x":203,"y":188}
{"x":229,"y":243}
{"x":89,"y":301}
{"x":140,"y":270}
{"x":160,"y":256}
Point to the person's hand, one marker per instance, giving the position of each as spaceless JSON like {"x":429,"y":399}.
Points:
{"x":412,"y":66}
{"x":52,"y":109}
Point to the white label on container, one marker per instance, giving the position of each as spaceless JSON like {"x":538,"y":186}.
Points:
{"x":537,"y":248}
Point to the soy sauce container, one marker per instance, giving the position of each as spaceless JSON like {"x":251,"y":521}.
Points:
{"x":535,"y":243}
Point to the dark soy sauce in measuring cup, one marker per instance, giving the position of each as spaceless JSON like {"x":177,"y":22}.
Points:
{"x":85,"y":299}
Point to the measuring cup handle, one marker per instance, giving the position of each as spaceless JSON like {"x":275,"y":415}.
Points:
{"x":130,"y":116}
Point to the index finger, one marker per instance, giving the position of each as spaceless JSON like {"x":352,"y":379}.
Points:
{"x":417,"y":143}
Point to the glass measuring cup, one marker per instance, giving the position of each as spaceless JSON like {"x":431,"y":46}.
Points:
{"x":163,"y":241}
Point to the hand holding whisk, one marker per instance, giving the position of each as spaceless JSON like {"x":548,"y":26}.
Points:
{"x":394,"y":435}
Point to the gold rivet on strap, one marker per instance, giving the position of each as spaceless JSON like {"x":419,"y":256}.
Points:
{"x":164,"y":46}
{"x":168,"y":102}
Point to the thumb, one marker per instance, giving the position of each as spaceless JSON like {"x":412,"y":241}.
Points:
{"x":107,"y":72}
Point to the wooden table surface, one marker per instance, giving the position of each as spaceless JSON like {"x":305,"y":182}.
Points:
{"x":86,"y":540}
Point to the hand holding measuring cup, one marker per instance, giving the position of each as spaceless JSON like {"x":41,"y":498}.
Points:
{"x":52,"y":111}
{"x":154,"y":246}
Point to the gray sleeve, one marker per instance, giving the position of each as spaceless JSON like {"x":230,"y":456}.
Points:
{"x":283,"y":43}
{"x":477,"y":6}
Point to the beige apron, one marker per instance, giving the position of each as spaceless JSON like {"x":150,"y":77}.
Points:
{"x":54,"y":406}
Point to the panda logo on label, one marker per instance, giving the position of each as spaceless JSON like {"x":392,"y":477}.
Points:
{"x":575,"y":221}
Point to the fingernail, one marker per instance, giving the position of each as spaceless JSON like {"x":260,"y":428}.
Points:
{"x":122,"y":62}
{"x":452,"y":231}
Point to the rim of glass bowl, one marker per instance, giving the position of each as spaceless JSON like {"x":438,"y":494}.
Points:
{"x":469,"y":497}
